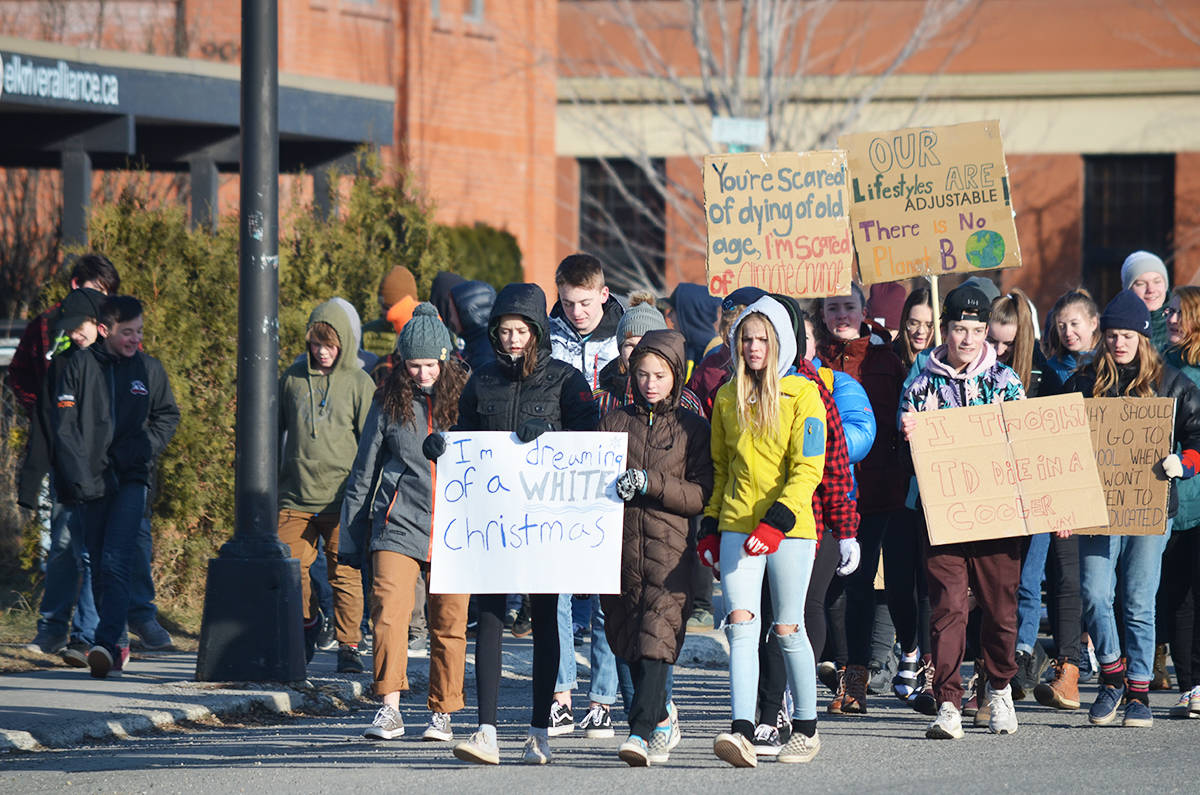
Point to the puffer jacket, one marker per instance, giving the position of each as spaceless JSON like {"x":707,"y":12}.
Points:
{"x":473,"y":302}
{"x":1174,"y":384}
{"x":647,"y":620}
{"x":871,"y":361}
{"x":589,"y":355}
{"x":1188,"y":514}
{"x":388,"y":505}
{"x":498,"y":397}
{"x":750,"y":472}
{"x":854,"y":407}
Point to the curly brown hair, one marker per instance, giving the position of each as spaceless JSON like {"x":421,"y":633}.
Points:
{"x":395,"y":394}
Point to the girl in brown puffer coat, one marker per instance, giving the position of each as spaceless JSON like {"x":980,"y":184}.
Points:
{"x":670,"y":478}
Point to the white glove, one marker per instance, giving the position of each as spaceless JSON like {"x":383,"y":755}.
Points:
{"x":631,"y":483}
{"x":849,"y":556}
{"x":1173,"y":466}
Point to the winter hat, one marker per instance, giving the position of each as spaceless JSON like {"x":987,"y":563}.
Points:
{"x":424,"y":336}
{"x":396,"y":285}
{"x":1138,"y":263}
{"x":1126,"y":311}
{"x":81,"y":304}
{"x":782,"y":323}
{"x":886,"y":303}
{"x":985,"y":286}
{"x":742,"y":296}
{"x":966,"y":302}
{"x":639,"y":319}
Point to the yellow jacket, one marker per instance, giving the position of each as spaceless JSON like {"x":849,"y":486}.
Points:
{"x":751,"y":473}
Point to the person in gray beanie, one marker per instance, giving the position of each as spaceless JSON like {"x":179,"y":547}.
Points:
{"x":1146,"y":275}
{"x":613,"y":381}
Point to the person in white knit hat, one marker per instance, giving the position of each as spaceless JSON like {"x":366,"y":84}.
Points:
{"x":1146,"y":275}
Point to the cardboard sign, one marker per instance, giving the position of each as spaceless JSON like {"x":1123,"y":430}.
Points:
{"x":1007,"y":469}
{"x":542,"y":517}
{"x":1131,"y":436}
{"x":779,"y":222}
{"x":930,"y":200}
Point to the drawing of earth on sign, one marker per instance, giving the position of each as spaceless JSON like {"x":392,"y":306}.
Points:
{"x":985,"y":249}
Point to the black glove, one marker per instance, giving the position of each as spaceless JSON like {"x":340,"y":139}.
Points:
{"x":433,"y":446}
{"x":351,"y":559}
{"x":533,"y":428}
{"x":708,"y":527}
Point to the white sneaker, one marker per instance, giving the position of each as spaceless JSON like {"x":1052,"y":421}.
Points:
{"x":438,"y":728}
{"x":388,"y":725}
{"x":736,"y":749}
{"x":478,"y":749}
{"x":1194,"y":702}
{"x":947,"y":725}
{"x":1183,"y":707}
{"x":677,"y":733}
{"x":536,"y":750}
{"x":799,"y":749}
{"x":1004,"y":716}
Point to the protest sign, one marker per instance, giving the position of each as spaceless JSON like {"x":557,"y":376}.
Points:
{"x":778,"y":221}
{"x":932,"y":200}
{"x":542,"y":517}
{"x":1131,"y":436}
{"x":1007,"y":469}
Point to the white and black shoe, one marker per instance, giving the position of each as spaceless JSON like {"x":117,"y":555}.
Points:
{"x":561,"y":720}
{"x":597,"y":723}
{"x":766,"y":740}
{"x":388,"y":725}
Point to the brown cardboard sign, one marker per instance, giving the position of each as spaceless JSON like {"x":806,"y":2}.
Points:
{"x":1007,"y":469}
{"x":778,"y":221}
{"x":1131,"y":436}
{"x":930,"y":200}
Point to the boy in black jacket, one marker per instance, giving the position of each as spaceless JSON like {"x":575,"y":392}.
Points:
{"x":114,"y":414}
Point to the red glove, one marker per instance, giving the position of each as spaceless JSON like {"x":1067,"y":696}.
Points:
{"x":764,"y":540}
{"x":709,"y":550}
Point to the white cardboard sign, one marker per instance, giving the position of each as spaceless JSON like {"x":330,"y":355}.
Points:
{"x":542,"y":517}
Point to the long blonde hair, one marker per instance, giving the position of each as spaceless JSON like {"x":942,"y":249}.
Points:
{"x":1189,"y":320}
{"x":758,"y":391}
{"x":1144,"y":384}
{"x":1014,"y":308}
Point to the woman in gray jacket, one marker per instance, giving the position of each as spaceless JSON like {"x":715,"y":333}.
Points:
{"x":390,"y":492}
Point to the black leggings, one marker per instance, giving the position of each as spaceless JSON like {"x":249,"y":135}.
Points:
{"x":544,"y":612}
{"x":1177,"y":604}
{"x":904,"y":576}
{"x":649,"y":706}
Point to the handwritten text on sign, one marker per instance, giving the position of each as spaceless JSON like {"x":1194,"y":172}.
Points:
{"x":930,"y":200}
{"x":541,"y":517}
{"x":1131,"y":435}
{"x":778,"y":222}
{"x":1007,"y":469}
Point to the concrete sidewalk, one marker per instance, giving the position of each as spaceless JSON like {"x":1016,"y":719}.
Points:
{"x":63,"y":707}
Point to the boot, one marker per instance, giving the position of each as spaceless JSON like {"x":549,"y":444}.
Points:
{"x":1161,"y":680}
{"x":839,"y":696}
{"x":1063,"y":692}
{"x":983,"y":711}
{"x":974,"y":694}
{"x":855,"y":699}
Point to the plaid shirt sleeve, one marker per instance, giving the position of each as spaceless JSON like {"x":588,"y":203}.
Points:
{"x":833,"y":506}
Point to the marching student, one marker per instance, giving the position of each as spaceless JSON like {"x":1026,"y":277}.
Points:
{"x":387,"y":513}
{"x":1127,"y":364}
{"x":669,"y":480}
{"x":768,"y":449}
{"x":1145,"y":274}
{"x":963,"y":371}
{"x":1072,"y":333}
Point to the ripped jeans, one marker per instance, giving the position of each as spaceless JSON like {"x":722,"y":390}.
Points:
{"x":789,"y":569}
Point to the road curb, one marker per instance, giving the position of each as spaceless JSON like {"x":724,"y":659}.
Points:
{"x":704,"y":650}
{"x":314,"y":695}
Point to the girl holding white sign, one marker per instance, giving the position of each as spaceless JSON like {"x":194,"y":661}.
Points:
{"x":1127,"y":365}
{"x":768,"y":450}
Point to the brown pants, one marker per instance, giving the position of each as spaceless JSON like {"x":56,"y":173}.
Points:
{"x":992,"y":569}
{"x":391,"y":607}
{"x":300,"y":531}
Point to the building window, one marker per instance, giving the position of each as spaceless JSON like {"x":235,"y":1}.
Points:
{"x":435,"y":8}
{"x":474,"y":11}
{"x":1128,"y":204}
{"x":622,"y":220}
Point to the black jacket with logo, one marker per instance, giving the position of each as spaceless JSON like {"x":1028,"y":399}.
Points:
{"x":113,"y":417}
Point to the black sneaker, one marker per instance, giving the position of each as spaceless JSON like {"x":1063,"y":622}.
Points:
{"x":597,"y":723}
{"x":327,"y":637}
{"x":349,"y":661}
{"x":523,"y":624}
{"x":510,"y":618}
{"x":766,"y":740}
{"x":561,"y":720}
{"x":310,"y":640}
{"x":76,"y":654}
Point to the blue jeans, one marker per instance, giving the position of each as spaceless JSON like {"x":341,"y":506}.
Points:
{"x":68,"y":580}
{"x":142,"y":609}
{"x":111,"y":526}
{"x":789,"y":569}
{"x":1029,"y":592}
{"x":1132,"y":564}
{"x":603,"y":662}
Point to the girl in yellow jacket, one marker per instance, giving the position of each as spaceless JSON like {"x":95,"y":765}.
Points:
{"x":768,"y":449}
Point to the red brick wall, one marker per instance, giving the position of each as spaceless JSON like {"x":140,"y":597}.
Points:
{"x":1187,"y":218}
{"x":566,"y":207}
{"x":686,"y":239}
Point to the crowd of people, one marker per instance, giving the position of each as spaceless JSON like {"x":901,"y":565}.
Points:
{"x":767,"y":448}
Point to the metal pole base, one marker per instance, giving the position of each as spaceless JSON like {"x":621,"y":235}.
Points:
{"x":253,"y":626}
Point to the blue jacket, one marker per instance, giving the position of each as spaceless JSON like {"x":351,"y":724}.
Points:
{"x":858,"y":419}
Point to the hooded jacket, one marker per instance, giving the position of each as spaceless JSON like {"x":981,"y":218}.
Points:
{"x":750,"y":472}
{"x":940,"y":386}
{"x":499,"y":397}
{"x":695,"y":312}
{"x":588,"y":354}
{"x":321,"y":419}
{"x":113,"y":417}
{"x":473,"y":303}
{"x":870,"y":360}
{"x":647,"y":620}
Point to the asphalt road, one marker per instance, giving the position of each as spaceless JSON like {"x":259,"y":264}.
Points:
{"x":886,"y":750}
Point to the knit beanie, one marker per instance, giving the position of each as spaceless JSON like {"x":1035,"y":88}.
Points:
{"x":1127,"y":312}
{"x":396,"y":285}
{"x":424,"y":336}
{"x":639,"y":319}
{"x":1141,"y":262}
{"x":886,"y":303}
